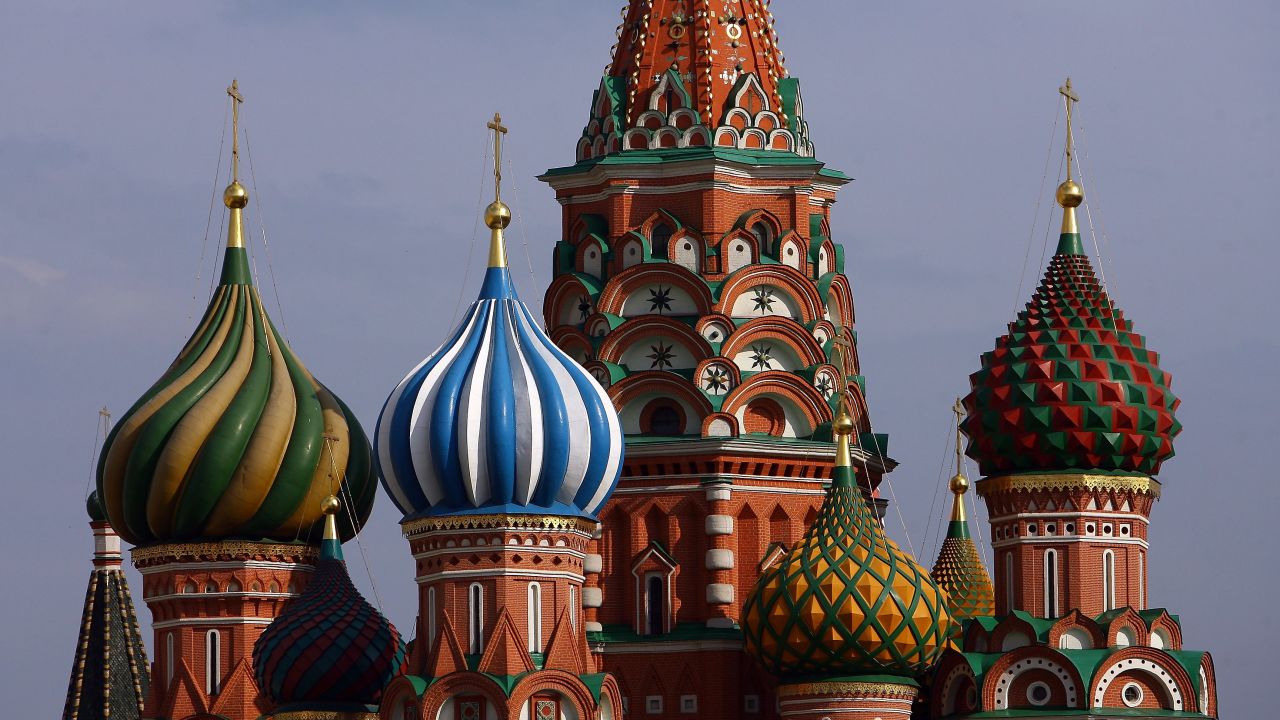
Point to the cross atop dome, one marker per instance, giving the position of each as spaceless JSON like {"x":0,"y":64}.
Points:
{"x":692,"y":73}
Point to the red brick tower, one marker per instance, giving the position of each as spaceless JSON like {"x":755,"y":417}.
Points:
{"x":698,"y":281}
{"x":215,"y":475}
{"x":499,"y":449}
{"x":1070,"y":418}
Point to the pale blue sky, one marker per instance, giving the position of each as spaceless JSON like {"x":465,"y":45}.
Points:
{"x":367,"y":126}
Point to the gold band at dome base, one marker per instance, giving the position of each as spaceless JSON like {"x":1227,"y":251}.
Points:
{"x":229,"y":550}
{"x":848,"y":688}
{"x":322,"y":715}
{"x":1069,"y":481}
{"x":494,"y":522}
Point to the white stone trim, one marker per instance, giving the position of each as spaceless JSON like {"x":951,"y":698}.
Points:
{"x":505,"y":572}
{"x":1069,"y":540}
{"x":241,"y":620}
{"x":719,"y":525}
{"x":719,"y":559}
{"x":1006,"y":678}
{"x":592,"y":597}
{"x":1096,"y":514}
{"x":202,"y":567}
{"x":718,"y":493}
{"x":592,"y":563}
{"x":719,"y":594}
{"x":1152,"y":669}
{"x":241,"y":594}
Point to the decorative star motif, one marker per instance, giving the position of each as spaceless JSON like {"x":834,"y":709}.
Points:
{"x":825,"y":386}
{"x":584,"y":307}
{"x":763,"y":300}
{"x":661,"y":356}
{"x":761,"y":356}
{"x":716,"y":380}
{"x":660,"y":299}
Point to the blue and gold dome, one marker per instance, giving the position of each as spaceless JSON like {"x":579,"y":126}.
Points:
{"x":499,"y":419}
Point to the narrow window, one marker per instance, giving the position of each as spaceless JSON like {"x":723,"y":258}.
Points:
{"x":212,"y":663}
{"x":535,"y":617}
{"x":1050,"y":583}
{"x":1142,"y":585}
{"x":168,"y":658}
{"x":475,"y":613}
{"x":655,"y":605}
{"x":573,"y":607}
{"x":1108,"y":580}
{"x":1008,"y":582}
{"x":431,"y":617}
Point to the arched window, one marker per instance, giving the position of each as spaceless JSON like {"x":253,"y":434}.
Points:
{"x":655,"y":605}
{"x":168,"y":658}
{"x":212,"y":662}
{"x":666,"y":421}
{"x":431,"y":617}
{"x":1108,"y":580}
{"x":1008,"y":582}
{"x":475,"y":621}
{"x":1142,"y":598}
{"x":764,"y":235}
{"x":1050,"y":583}
{"x":660,"y":238}
{"x":573,"y":607}
{"x":535,"y":617}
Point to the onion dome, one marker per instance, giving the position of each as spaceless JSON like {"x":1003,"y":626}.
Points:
{"x":499,"y":419}
{"x":236,"y":439}
{"x":329,"y":645}
{"x":846,"y":600}
{"x":1070,"y":386}
{"x":959,"y":570}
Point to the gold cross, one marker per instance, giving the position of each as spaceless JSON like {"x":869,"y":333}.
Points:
{"x":842,"y":347}
{"x":498,"y":131}
{"x":1071,"y":98}
{"x":958,"y":409}
{"x":236,"y":100}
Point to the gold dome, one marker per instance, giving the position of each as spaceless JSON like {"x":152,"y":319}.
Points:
{"x":959,"y":484}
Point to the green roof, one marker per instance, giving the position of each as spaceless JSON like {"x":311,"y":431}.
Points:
{"x":670,"y":155}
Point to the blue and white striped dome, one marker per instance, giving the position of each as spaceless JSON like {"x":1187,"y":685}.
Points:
{"x":499,"y":420}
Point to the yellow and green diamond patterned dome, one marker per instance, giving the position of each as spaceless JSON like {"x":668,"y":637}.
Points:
{"x":236,"y":439}
{"x":846,"y":600}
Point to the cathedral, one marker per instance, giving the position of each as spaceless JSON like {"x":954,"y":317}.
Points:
{"x":660,"y":498}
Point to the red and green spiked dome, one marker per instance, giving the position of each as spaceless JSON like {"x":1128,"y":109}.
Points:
{"x":846,"y":600}
{"x":236,"y":439}
{"x":1070,"y":386}
{"x":329,"y":647}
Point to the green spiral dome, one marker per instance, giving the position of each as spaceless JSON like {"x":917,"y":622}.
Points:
{"x":237,"y":439}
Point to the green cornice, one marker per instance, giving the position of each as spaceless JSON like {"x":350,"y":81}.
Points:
{"x":675,"y":155}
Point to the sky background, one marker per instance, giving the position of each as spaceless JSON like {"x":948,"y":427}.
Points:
{"x":366,"y":124}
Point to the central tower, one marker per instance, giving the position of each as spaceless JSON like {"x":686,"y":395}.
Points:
{"x":698,"y":281}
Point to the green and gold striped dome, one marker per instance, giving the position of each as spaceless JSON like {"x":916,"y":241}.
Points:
{"x":846,"y":600}
{"x":237,"y":439}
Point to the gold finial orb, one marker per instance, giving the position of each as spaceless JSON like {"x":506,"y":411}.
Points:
{"x":330,"y":505}
{"x":235,"y":196}
{"x":497,"y":216}
{"x":842,"y":425}
{"x":959,"y":484}
{"x":1070,"y":194}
